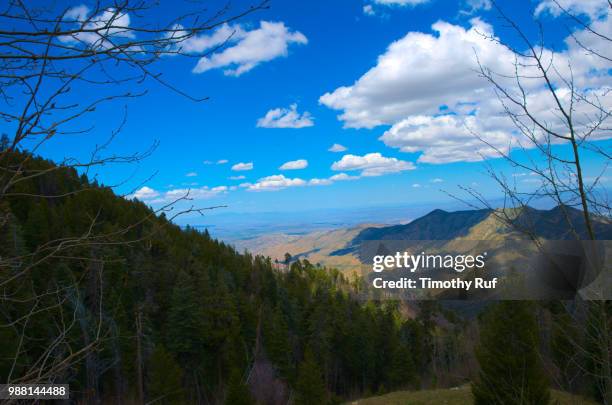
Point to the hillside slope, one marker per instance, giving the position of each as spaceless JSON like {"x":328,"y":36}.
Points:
{"x":100,"y":292}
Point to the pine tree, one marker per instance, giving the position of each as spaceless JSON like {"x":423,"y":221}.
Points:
{"x":401,"y":370}
{"x":238,"y":392}
{"x":310,"y":387}
{"x":165,"y":378}
{"x":184,"y":336}
{"x":276,"y":340}
{"x":511,"y":370}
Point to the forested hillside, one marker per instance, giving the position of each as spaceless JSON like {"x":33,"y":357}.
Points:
{"x":101,"y":293}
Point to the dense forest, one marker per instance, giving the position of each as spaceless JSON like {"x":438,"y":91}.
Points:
{"x":104,"y":294}
{"x":143,"y":308}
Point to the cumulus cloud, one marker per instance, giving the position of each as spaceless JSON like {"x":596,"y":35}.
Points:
{"x":593,"y":8}
{"x":372,"y":164}
{"x":279,"y":182}
{"x":200,"y":193}
{"x":191,"y":174}
{"x":400,"y":2}
{"x":416,"y":75}
{"x":274,"y":183}
{"x":337,"y":148}
{"x":343,"y":177}
{"x":445,"y":138}
{"x":437,"y":180}
{"x":285,"y":118}
{"x":248,"y":48}
{"x":476,"y":5}
{"x":152,"y":196}
{"x":200,"y":43}
{"x":222,"y":161}
{"x":426,"y":88}
{"x":331,"y":179}
{"x":368,"y":10}
{"x":108,"y":23}
{"x":239,"y":167}
{"x":144,"y":193}
{"x":237,"y":177}
{"x":320,"y":182}
{"x":294,"y":165}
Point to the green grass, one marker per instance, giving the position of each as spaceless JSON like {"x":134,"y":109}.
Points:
{"x":452,"y":396}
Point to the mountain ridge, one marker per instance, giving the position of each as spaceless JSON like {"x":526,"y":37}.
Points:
{"x":339,"y":247}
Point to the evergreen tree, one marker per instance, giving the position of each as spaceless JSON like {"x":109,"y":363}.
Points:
{"x":165,"y":378}
{"x":238,"y":392}
{"x":401,"y":370}
{"x":310,"y":387}
{"x":184,"y":329}
{"x":276,"y":339}
{"x":511,"y":370}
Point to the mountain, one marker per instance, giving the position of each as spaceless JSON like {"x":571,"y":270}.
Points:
{"x":316,"y":247}
{"x":339,"y":248}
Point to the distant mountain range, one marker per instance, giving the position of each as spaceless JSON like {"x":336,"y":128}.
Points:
{"x":338,"y":248}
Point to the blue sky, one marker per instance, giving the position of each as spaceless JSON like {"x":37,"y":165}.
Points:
{"x":391,"y":81}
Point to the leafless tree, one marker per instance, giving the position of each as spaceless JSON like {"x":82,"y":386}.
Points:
{"x":553,"y":143}
{"x":58,"y":65}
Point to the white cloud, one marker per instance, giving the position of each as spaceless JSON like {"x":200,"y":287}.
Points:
{"x":237,"y":177}
{"x":144,"y":193}
{"x":320,"y":182}
{"x":285,"y":118}
{"x":445,"y":138}
{"x":416,"y":185}
{"x":191,"y":174}
{"x":200,"y":43}
{"x":476,"y":5}
{"x":593,"y":8}
{"x":108,"y":23}
{"x":426,"y":87}
{"x":154,"y":197}
{"x":416,"y":75}
{"x":343,"y":177}
{"x":401,"y":2}
{"x":279,"y":182}
{"x":368,"y":10}
{"x":238,"y":167}
{"x":294,"y":165}
{"x":270,"y":41}
{"x":77,"y":13}
{"x":208,"y":162}
{"x":200,"y":193}
{"x":372,"y":164}
{"x":222,"y":161}
{"x":437,"y":180}
{"x":331,"y":179}
{"x":337,"y":148}
{"x":274,"y":183}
